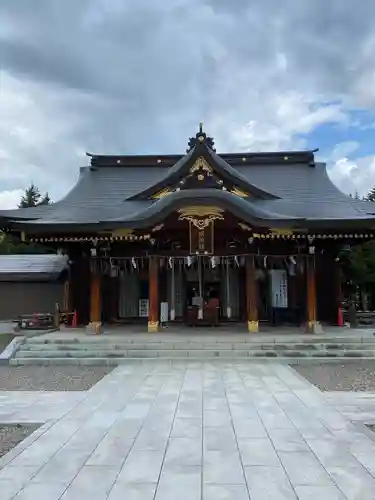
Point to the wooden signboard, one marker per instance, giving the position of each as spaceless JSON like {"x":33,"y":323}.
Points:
{"x":201,"y":239}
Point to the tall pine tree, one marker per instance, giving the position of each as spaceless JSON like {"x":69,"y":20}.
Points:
{"x":33,"y":198}
{"x":30,"y":198}
{"x":46,"y":200}
{"x":12,"y":245}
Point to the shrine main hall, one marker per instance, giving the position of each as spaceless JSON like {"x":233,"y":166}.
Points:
{"x":201,"y":238}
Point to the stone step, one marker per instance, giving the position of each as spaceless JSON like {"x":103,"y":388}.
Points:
{"x":149,"y":346}
{"x":85,"y":341}
{"x":117,"y":350}
{"x":256,"y":339}
{"x":30,"y":347}
{"x":118,"y":361}
{"x":199,"y":353}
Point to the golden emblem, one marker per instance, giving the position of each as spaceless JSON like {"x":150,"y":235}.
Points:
{"x":201,"y":217}
{"x":201,"y":164}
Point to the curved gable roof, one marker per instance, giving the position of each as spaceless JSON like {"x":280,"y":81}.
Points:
{"x":202,"y":149}
{"x":243,"y":208}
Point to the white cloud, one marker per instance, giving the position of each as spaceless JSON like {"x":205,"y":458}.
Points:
{"x":282,"y":120}
{"x":36,"y":145}
{"x":342,"y":150}
{"x":10,"y":199}
{"x":138,"y":77}
{"x":351,"y":172}
{"x":353,"y":176}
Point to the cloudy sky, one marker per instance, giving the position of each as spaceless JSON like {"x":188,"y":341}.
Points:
{"x":137,"y":76}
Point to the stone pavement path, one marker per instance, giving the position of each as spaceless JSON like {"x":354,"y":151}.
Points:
{"x":226,"y":431}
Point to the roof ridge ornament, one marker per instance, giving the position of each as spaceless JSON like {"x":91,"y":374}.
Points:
{"x":201,"y":138}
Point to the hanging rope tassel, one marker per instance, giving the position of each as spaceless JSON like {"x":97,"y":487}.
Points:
{"x":292,"y":265}
{"x":229,"y":309}
{"x":173,"y":310}
{"x":200,"y":310}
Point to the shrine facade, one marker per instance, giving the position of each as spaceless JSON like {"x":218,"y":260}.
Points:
{"x":201,"y":238}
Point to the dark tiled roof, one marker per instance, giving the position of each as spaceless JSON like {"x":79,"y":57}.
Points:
{"x":106,"y":190}
{"x":241,"y":207}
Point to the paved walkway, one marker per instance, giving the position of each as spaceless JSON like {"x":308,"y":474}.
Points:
{"x":230,"y":431}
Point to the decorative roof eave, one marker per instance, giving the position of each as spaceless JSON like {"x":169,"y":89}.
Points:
{"x":243,"y":208}
{"x":355,"y":224}
{"x":40,"y":227}
{"x":4,"y":219}
{"x":88,"y":239}
{"x":202,"y":149}
{"x":271,"y":235}
{"x":157,"y":211}
{"x":312,"y":236}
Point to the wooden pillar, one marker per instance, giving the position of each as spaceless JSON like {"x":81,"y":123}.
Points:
{"x":251,"y":296}
{"x":153,"y":294}
{"x":312,"y":325}
{"x":67,"y":296}
{"x":68,"y":302}
{"x":66,"y":306}
{"x":338,"y":298}
{"x":173,"y":291}
{"x":95,"y":303}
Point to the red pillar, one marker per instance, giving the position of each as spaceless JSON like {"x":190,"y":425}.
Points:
{"x":251,"y":296}
{"x":153,"y":296}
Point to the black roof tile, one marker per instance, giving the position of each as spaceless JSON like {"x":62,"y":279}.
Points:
{"x":105,"y":190}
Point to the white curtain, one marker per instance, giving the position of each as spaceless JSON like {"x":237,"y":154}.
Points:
{"x":129,"y":295}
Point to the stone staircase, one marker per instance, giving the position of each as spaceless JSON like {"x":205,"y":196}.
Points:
{"x":109,"y":350}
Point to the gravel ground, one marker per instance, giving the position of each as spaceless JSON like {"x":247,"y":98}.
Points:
{"x":5,"y":339}
{"x":12,"y":434}
{"x":51,"y":378}
{"x":355,"y":376}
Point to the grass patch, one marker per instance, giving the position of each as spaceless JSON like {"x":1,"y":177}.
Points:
{"x":13,"y":434}
{"x":51,"y":378}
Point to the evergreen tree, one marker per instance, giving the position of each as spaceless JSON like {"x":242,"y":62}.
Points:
{"x":33,"y":198}
{"x":11,"y":244}
{"x":371,"y":195}
{"x":358,"y":263}
{"x":46,"y":200}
